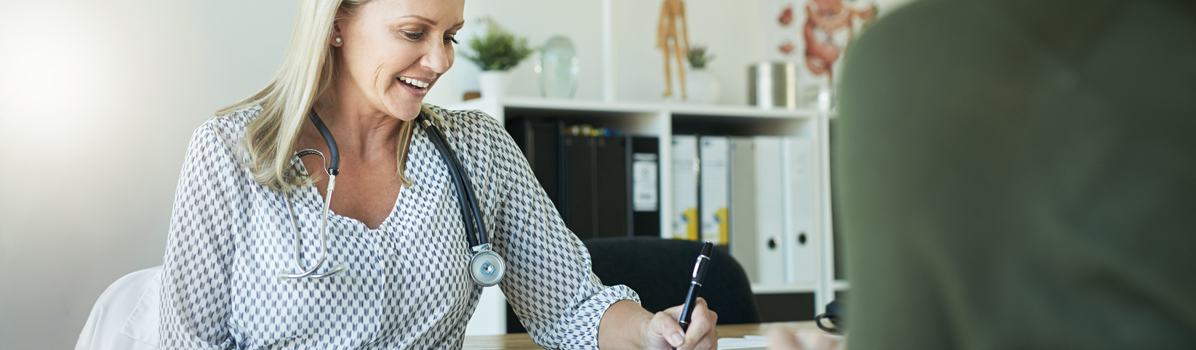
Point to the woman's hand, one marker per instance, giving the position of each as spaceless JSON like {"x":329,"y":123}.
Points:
{"x":664,"y":333}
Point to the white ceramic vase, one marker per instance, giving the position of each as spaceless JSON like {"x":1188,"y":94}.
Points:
{"x":494,"y":84}
{"x":702,"y":86}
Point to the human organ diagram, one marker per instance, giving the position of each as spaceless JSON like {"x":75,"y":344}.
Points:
{"x":828,"y":27}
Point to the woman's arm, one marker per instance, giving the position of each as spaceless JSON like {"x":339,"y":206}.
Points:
{"x":626,"y":325}
{"x":549,"y":281}
{"x":195,"y":288}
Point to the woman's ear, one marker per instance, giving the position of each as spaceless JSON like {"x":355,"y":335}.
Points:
{"x":335,"y":38}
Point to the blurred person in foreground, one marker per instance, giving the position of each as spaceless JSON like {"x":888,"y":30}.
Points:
{"x":1020,"y":175}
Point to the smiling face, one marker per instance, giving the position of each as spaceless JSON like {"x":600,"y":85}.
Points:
{"x":392,"y":51}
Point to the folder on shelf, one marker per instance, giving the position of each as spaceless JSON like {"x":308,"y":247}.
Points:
{"x":579,"y":214}
{"x":804,"y":248}
{"x":685,"y":188}
{"x":645,"y":188}
{"x":770,"y":211}
{"x":714,"y":202}
{"x":612,"y":188}
{"x":743,"y":205}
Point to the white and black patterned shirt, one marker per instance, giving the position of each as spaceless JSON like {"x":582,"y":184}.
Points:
{"x":406,"y":286}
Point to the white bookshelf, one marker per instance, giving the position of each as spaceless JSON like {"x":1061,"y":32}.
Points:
{"x":662,"y":120}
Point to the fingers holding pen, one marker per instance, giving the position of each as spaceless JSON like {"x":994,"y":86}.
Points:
{"x":664,"y":325}
{"x":701,"y":334}
{"x":692,"y":324}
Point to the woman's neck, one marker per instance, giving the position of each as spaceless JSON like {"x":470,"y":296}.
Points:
{"x":360,"y":132}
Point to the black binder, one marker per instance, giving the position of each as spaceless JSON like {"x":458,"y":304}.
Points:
{"x":591,"y":179}
{"x":579,"y":200}
{"x":613,"y":187}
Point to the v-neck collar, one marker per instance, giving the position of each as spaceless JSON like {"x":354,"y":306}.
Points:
{"x":415,"y":203}
{"x":419,"y":201}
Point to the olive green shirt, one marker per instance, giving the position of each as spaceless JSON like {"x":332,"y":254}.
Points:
{"x":1021,"y":175}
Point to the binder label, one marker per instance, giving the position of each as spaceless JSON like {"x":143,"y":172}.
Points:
{"x":644,"y":182}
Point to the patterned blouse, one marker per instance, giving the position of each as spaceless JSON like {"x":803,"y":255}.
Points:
{"x":406,"y":285}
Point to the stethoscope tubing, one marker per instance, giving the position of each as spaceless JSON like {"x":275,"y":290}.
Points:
{"x":332,"y":167}
{"x":323,"y":242}
{"x":469,"y":209}
{"x":475,"y":228}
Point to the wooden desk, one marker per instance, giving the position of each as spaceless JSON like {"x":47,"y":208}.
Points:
{"x":522,"y":341}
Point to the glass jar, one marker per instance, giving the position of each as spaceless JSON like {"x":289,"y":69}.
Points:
{"x":558,"y":68}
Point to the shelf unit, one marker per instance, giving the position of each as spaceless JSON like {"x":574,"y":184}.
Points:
{"x":662,"y":120}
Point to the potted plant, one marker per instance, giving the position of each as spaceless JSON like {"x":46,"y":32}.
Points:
{"x":496,"y":52}
{"x":701,"y":85}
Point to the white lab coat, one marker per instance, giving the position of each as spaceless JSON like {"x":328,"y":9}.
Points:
{"x":126,"y":315}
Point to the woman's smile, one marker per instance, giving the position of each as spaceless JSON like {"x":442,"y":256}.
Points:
{"x":418,"y":83}
{"x":417,"y":87}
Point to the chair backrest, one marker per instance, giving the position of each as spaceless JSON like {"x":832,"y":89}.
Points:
{"x":659,"y":270}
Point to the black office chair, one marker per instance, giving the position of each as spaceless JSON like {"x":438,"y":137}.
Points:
{"x":660,"y":269}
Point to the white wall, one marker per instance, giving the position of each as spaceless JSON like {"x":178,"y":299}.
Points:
{"x":729,"y":28}
{"x":98,"y":100}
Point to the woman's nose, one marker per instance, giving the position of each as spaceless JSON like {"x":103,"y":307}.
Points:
{"x":439,"y":57}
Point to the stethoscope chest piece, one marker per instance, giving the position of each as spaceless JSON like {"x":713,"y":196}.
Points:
{"x":487,"y":268}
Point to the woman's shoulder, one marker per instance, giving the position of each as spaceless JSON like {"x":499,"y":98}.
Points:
{"x":472,"y":124}
{"x":466,"y":118}
{"x":225,"y":131}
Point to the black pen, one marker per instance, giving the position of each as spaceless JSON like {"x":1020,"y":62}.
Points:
{"x":695,"y":286}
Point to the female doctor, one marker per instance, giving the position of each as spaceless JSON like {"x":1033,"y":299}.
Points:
{"x":256,"y":261}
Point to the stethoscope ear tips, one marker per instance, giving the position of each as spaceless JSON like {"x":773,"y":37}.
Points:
{"x":487,"y":268}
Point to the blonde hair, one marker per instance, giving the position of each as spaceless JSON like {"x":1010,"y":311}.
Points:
{"x":305,"y":76}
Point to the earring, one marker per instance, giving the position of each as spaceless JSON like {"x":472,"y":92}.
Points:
{"x":338,"y":40}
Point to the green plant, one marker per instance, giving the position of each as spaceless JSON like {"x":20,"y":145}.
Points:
{"x":498,"y":50}
{"x":698,"y":57}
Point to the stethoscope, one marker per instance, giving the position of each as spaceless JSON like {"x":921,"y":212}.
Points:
{"x":485,"y":267}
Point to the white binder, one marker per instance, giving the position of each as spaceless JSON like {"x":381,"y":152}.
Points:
{"x":715,"y":174}
{"x":684,"y":216}
{"x":743,"y":206}
{"x":801,"y":234}
{"x":770,"y":210}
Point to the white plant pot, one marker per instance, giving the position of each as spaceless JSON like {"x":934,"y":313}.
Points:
{"x":494,"y":84}
{"x":702,"y":87}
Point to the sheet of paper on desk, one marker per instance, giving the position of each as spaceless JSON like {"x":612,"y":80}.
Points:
{"x":749,"y":342}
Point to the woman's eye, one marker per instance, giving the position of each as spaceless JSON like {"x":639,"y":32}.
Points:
{"x":450,"y":39}
{"x":414,"y":35}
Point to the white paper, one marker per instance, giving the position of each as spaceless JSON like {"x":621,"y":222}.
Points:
{"x":750,"y":342}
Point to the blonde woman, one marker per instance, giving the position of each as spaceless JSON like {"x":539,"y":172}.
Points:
{"x":395,"y":225}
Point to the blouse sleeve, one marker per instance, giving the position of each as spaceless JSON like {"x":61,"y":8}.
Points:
{"x":195,"y":295}
{"x":549,"y":282}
